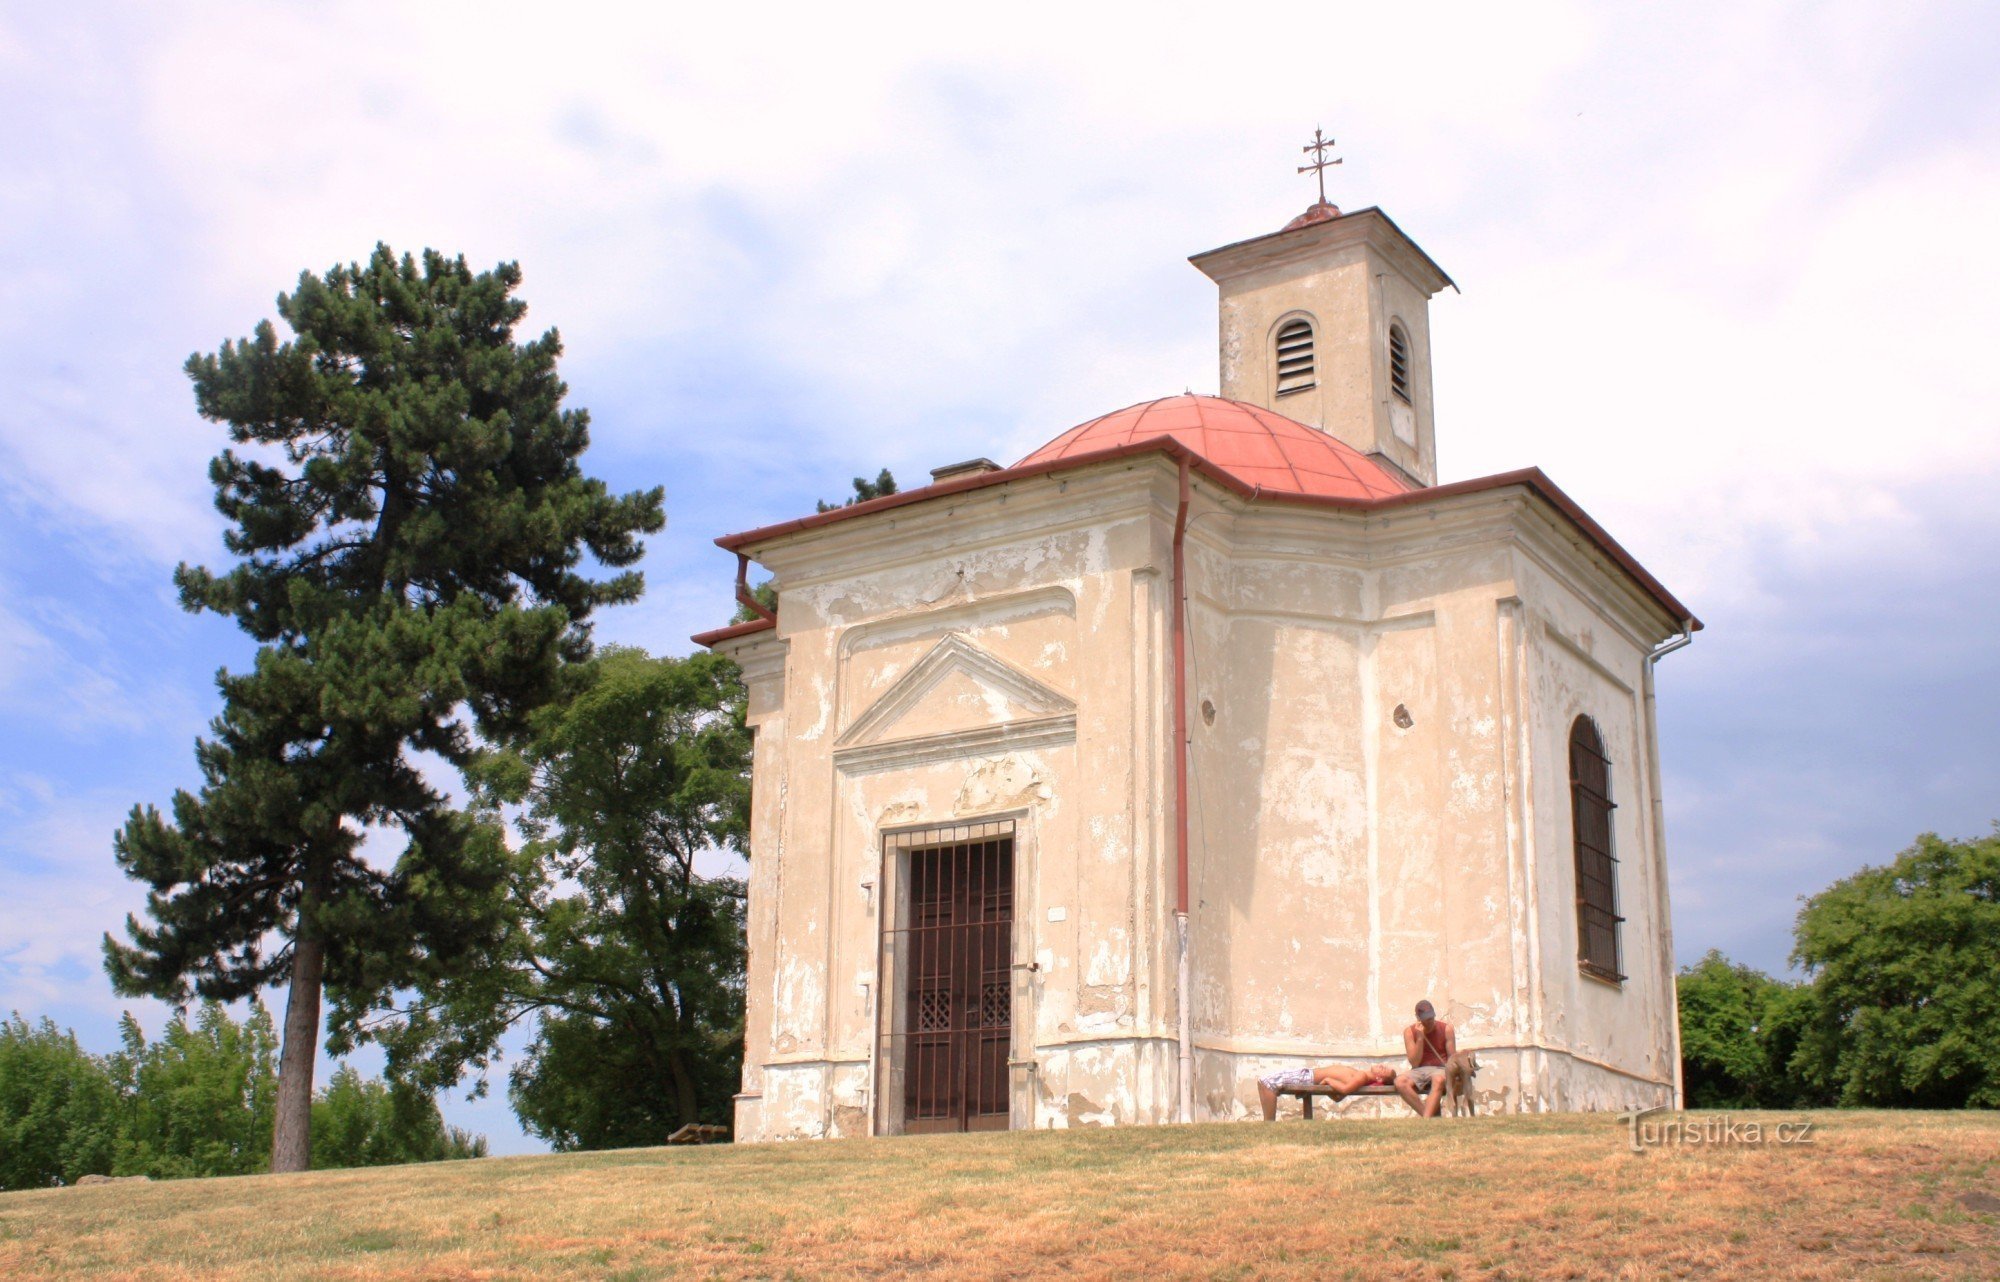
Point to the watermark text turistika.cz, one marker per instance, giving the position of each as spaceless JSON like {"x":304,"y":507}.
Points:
{"x":1710,"y":1131}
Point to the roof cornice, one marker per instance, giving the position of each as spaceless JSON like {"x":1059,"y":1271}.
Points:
{"x":1532,"y":479}
{"x":1296,"y":245}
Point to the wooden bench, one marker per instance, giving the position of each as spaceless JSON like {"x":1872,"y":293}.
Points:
{"x":1307,"y":1093}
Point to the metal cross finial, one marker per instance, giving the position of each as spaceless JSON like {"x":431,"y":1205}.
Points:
{"x":1317,"y":150}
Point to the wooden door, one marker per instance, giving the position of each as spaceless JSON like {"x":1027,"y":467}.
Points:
{"x":958,"y":1016}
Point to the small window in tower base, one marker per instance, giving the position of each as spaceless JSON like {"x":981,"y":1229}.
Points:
{"x":1295,"y":357}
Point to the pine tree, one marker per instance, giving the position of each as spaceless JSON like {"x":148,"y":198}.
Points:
{"x":882,"y":486}
{"x":410,"y":520}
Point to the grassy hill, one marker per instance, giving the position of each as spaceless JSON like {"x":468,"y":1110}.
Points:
{"x":1873,"y":1194}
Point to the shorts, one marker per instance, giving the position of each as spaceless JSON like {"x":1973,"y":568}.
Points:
{"x":1421,"y":1078}
{"x":1291,"y":1077}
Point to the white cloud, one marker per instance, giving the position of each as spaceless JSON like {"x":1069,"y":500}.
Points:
{"x":59,"y":673}
{"x":63,"y":893}
{"x":896,"y":213}
{"x":1672,"y":404}
{"x":916,"y":228}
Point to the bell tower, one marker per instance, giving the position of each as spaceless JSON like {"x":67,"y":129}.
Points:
{"x":1327,"y":321}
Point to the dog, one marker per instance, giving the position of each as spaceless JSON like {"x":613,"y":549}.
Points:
{"x":1459,"y":1071}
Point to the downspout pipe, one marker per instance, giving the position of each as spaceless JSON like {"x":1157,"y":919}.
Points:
{"x":1178,"y":632}
{"x":1660,"y":838}
{"x":743,"y":593}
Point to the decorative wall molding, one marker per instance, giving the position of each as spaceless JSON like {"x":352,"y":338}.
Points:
{"x":952,"y":655}
{"x":1014,"y":736}
{"x":1011,"y":608}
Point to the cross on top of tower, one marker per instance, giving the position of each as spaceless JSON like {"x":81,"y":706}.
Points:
{"x":1317,"y":150}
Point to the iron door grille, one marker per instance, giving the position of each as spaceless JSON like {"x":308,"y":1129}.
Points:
{"x":953,"y":946}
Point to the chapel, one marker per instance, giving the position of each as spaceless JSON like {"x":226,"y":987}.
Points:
{"x":1205,"y":741}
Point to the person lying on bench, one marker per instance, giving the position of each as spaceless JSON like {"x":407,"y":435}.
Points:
{"x":1342,"y":1079}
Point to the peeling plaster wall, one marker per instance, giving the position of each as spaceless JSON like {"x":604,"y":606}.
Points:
{"x":1355,"y":854}
{"x":958,"y":674}
{"x":1379,"y":711}
{"x":762,"y":661}
{"x":1584,"y":659}
{"x":1353,"y":860}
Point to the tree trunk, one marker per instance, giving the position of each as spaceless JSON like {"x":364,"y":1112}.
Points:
{"x":291,"y":1137}
{"x":685,"y":1102}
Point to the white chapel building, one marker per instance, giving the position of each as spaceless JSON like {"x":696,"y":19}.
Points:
{"x":1204,"y":741}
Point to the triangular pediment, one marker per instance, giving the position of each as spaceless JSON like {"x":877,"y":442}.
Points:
{"x":954,"y":688}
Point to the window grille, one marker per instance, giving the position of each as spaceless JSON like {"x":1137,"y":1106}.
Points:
{"x":1399,"y":362}
{"x":1295,"y":356}
{"x":1597,"y":918}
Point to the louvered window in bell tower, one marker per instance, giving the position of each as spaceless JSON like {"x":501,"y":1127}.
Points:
{"x":1399,"y":362}
{"x":1295,"y":356}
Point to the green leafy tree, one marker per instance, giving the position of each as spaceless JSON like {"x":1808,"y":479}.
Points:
{"x":1905,"y":968}
{"x":1789,"y":1023}
{"x":59,"y":1110}
{"x":409,"y":519}
{"x":358,"y":1121}
{"x":628,"y":955}
{"x":1730,"y":1016}
{"x":199,"y":1101}
{"x":589,"y":1084}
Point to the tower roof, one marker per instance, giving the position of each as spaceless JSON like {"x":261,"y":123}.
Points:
{"x":1317,"y":212}
{"x":1264,"y":450}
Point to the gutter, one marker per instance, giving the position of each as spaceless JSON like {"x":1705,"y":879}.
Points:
{"x":1660,"y":842}
{"x":716,"y":636}
{"x":745,"y":595}
{"x":764,"y":622}
{"x":1178,"y":630}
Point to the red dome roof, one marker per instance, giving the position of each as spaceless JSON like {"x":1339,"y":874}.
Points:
{"x":1256,"y":446}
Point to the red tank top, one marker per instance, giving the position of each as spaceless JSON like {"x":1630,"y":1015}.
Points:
{"x":1433,"y":1055}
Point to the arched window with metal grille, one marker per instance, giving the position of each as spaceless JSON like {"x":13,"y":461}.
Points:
{"x":1295,"y":356}
{"x":1399,"y":361}
{"x":1597,"y":918}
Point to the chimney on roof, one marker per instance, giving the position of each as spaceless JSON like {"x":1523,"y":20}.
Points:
{"x":971,"y":467}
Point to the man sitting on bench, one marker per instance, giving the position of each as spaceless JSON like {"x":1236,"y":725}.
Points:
{"x":1341,"y":1079}
{"x":1429,"y":1043}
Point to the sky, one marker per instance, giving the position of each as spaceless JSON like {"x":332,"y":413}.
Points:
{"x":1728,"y":274}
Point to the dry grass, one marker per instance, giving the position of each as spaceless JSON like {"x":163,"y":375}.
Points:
{"x":1877,"y":1195}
